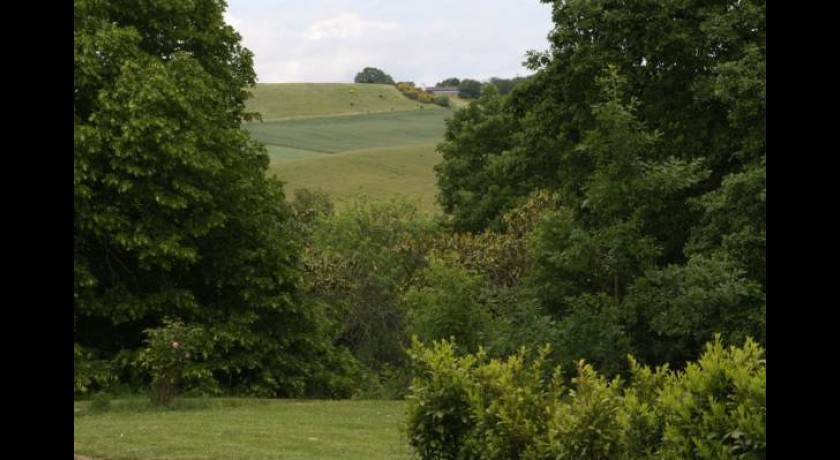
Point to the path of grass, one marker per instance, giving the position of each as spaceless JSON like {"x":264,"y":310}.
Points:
{"x":289,"y":430}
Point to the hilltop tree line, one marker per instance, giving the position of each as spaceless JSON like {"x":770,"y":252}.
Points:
{"x":612,"y":203}
{"x":467,"y":88}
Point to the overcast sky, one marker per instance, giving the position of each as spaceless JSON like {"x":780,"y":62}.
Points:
{"x":423,"y":42}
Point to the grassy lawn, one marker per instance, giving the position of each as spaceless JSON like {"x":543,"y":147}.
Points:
{"x":276,"y":429}
{"x":344,"y":133}
{"x":293,"y":100}
{"x":378,"y":173}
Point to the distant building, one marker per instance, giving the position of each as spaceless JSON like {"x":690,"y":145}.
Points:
{"x":451,"y":91}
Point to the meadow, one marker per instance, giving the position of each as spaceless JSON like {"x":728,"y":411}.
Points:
{"x":242,"y":429}
{"x":349,"y":140}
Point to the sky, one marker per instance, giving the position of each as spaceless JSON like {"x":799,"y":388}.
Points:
{"x":425,"y":42}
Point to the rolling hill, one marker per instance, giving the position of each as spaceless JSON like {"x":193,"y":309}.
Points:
{"x":382,"y":145}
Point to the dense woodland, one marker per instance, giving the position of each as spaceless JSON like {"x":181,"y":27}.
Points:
{"x":611,"y":204}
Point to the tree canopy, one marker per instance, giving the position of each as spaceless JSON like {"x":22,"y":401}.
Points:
{"x":174,"y":216}
{"x":469,"y":89}
{"x":373,"y":75}
{"x":646,"y":121}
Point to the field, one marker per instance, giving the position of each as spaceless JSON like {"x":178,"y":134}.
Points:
{"x":295,"y":100}
{"x":349,"y":140}
{"x":245,"y":429}
{"x":379,"y":173}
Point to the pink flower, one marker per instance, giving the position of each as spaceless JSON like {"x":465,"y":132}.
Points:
{"x":175,"y":345}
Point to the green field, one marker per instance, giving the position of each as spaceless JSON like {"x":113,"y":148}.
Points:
{"x":379,"y":173}
{"x":382,"y":145}
{"x":293,"y":100}
{"x":346,"y":133}
{"x":243,"y":429}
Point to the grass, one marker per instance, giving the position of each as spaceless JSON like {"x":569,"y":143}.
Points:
{"x":294,"y":100}
{"x":378,"y":173}
{"x":345,"y":133}
{"x":243,"y":429}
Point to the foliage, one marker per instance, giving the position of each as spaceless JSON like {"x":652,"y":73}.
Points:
{"x":473,"y":407}
{"x":474,"y":160}
{"x":452,"y":81}
{"x":88,"y":371}
{"x":506,"y":85}
{"x":442,"y":100}
{"x":173,"y":213}
{"x":176,"y":354}
{"x":469,"y":89}
{"x":410,"y":91}
{"x":358,"y":265}
{"x":445,"y":301}
{"x":373,"y":75}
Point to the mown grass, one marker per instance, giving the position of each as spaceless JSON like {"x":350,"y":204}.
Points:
{"x":345,"y":133}
{"x":382,"y":173}
{"x":276,"y":429}
{"x":294,"y":100}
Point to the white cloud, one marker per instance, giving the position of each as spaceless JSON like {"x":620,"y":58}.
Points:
{"x":331,"y":40}
{"x":348,"y":25}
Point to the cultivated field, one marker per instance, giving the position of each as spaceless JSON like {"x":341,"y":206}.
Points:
{"x":349,"y":140}
{"x":379,"y":173}
{"x":245,"y":429}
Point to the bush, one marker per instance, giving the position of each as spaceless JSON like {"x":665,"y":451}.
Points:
{"x":471,"y":407}
{"x":442,"y":100}
{"x":175,"y":354}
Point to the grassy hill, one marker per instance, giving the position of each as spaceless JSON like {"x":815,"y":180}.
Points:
{"x":344,"y":133}
{"x":295,"y":100}
{"x":385,"y":172}
{"x":382,"y":145}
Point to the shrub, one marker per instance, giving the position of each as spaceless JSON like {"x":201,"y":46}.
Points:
{"x":471,"y":407}
{"x":175,"y":353}
{"x":442,"y":100}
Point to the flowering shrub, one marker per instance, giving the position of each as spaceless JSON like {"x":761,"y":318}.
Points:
{"x":176,"y":353}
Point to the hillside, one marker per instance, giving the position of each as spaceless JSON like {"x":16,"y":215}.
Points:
{"x":343,"y":133}
{"x":405,"y":171}
{"x":293,"y":100}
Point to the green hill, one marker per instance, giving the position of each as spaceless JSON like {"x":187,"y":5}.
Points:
{"x":294,"y":100}
{"x":349,"y":140}
{"x":344,"y":133}
{"x":405,"y":171}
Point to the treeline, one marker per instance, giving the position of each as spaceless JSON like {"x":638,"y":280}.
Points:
{"x":613,"y":203}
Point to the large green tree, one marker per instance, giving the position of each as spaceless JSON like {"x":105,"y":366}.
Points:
{"x":373,"y":75}
{"x":647,"y":119}
{"x":173,"y":213}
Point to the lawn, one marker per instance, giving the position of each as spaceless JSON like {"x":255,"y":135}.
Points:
{"x":243,"y":429}
{"x":406,"y":171}
{"x":294,"y":100}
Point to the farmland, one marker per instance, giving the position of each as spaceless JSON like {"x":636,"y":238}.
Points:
{"x":349,"y":140}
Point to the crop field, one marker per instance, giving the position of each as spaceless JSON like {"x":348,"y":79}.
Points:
{"x":387,"y":172}
{"x":245,"y":429}
{"x":316,"y":142}
{"x":346,"y":133}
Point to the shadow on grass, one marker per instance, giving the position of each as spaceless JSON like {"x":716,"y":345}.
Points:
{"x":102,"y":403}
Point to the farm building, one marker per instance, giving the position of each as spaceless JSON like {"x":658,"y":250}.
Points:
{"x":451,"y":91}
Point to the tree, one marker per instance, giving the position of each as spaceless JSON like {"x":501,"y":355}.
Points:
{"x":453,"y":81}
{"x":647,"y":119}
{"x":373,"y":75}
{"x":174,"y":215}
{"x":469,"y":89}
